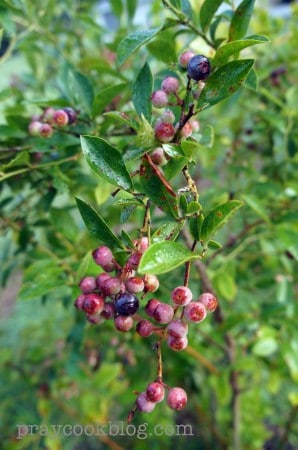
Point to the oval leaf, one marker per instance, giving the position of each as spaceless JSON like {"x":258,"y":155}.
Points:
{"x":224,"y":82}
{"x":97,"y":225}
{"x":168,"y":231}
{"x":241,"y":19}
{"x":216,"y":218}
{"x":226,"y":50}
{"x":142,"y":90}
{"x":165,"y":256}
{"x":133,"y":42}
{"x":106,"y":161}
{"x":208,"y":9}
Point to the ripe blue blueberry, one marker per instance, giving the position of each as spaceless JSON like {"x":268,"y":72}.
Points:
{"x":198,"y":67}
{"x":126,"y":304}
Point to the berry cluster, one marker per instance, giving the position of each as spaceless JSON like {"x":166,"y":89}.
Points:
{"x":44,"y":125}
{"x":115,"y":296}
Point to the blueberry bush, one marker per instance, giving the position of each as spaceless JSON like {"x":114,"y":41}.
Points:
{"x":149,"y":219}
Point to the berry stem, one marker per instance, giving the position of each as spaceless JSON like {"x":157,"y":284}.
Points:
{"x":188,"y":266}
{"x":191,"y":183}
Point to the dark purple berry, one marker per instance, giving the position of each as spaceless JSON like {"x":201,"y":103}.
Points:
{"x":144,"y":328}
{"x":155,"y":392}
{"x":177,"y":398}
{"x":108,"y":311}
{"x":123,"y":323}
{"x":143,"y":404}
{"x":126,"y":304}
{"x":72,"y":115}
{"x":198,"y":68}
{"x":87,"y":285}
{"x":79,"y":301}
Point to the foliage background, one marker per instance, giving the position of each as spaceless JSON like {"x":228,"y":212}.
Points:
{"x":57,"y":369}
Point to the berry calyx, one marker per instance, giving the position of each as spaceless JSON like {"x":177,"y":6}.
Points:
{"x":126,"y":304}
{"x":155,"y":392}
{"x":164,"y":131}
{"x":181,"y":295}
{"x":198,"y":68}
{"x":195,"y":312}
{"x":170,"y":85}
{"x":159,"y":99}
{"x":209,"y":300}
{"x":143,"y":404}
{"x":93,"y":304}
{"x":177,"y":398}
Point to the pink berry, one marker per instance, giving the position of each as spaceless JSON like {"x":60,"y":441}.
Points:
{"x":133,"y":260}
{"x":108,"y":311}
{"x":111,"y":286}
{"x":177,"y":344}
{"x":164,"y":132}
{"x":134,"y":285}
{"x":101,"y":278}
{"x":87,"y":285}
{"x":185,"y":57}
{"x":60,"y":118}
{"x":143,"y":404}
{"x":102,"y":255}
{"x":95,"y":319}
{"x":177,"y":398}
{"x":186,"y":130}
{"x":195,"y":312}
{"x":79,"y":302}
{"x":177,"y":328}
{"x":167,"y":116}
{"x":155,"y":392}
{"x":151,"y":306}
{"x":151,"y":283}
{"x":163,"y":313}
{"x":123,"y":323}
{"x":93,"y":304}
{"x":209,"y":300}
{"x":34,"y":128}
{"x":159,"y":99}
{"x":195,"y":125}
{"x":109,"y":267}
{"x":144,"y":328}
{"x":46,"y":131}
{"x":170,"y":85}
{"x":158,"y":157}
{"x":48,"y":115}
{"x":142,"y":244}
{"x":181,"y":295}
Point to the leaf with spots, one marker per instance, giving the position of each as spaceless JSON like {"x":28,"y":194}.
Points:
{"x":241,"y":19}
{"x":165,"y":256}
{"x":157,"y":189}
{"x":216,"y":218}
{"x":224,"y":82}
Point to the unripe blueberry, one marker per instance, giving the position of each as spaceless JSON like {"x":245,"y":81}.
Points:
{"x":144,"y":328}
{"x":60,"y":118}
{"x":79,"y":302}
{"x":177,"y":328}
{"x":111,"y":286}
{"x":195,"y":312}
{"x":167,"y":116}
{"x":155,"y":392}
{"x":46,"y":131}
{"x":151,"y":306}
{"x":102,"y":255}
{"x":195,"y":125}
{"x":101,"y":278}
{"x":185,"y":57}
{"x":163,"y":313}
{"x":158,"y":156}
{"x":143,"y":244}
{"x":186,"y":130}
{"x":95,"y":319}
{"x":151,"y":283}
{"x":177,"y":398}
{"x":123,"y":323}
{"x":34,"y":128}
{"x":181,"y":295}
{"x":87,"y":285}
{"x":159,"y":99}
{"x":198,"y":67}
{"x":109,"y":267}
{"x":209,"y":300}
{"x":48,"y":115}
{"x":72,"y":115}
{"x":108,"y":311}
{"x":170,"y":85}
{"x":134,"y":285}
{"x":177,"y":344}
{"x":164,"y":131}
{"x":93,"y":304}
{"x":133,"y":260}
{"x":143,"y":404}
{"x":126,"y":304}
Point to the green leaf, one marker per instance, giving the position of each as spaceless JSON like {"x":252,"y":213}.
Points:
{"x":214,"y":245}
{"x":169,"y":231}
{"x":207,"y":138}
{"x":193,"y":207}
{"x":265,"y":346}
{"x":124,"y":118}
{"x":133,"y":42}
{"x":240,"y":20}
{"x":174,"y":166}
{"x":165,"y":256}
{"x":133,"y":153}
{"x":106,"y":161}
{"x":207,"y":11}
{"x":216,"y":218}
{"x":225,"y":285}
{"x":105,"y":97}
{"x":251,"y":81}
{"x":22,"y":159}
{"x":145,"y":136}
{"x":141,"y":96}
{"x":224,"y":82}
{"x":231,"y":48}
{"x":80,"y":89}
{"x":97,"y":225}
{"x":256,"y":206}
{"x":157,"y":49}
{"x":195,"y":225}
{"x":153,"y":187}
